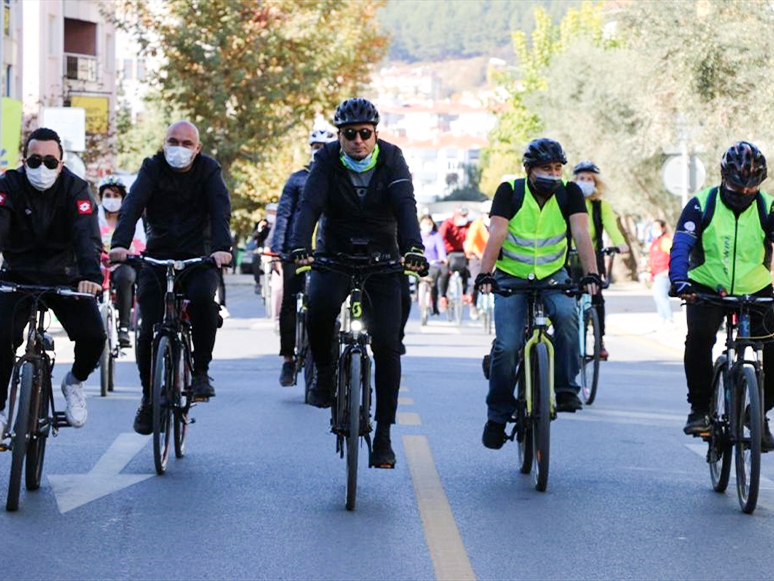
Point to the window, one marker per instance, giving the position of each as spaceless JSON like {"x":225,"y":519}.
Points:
{"x":7,"y":17}
{"x":140,"y":70}
{"x":80,"y":37}
{"x":127,"y":70}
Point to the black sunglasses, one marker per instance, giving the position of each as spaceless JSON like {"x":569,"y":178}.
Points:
{"x":34,"y":161}
{"x":350,"y":134}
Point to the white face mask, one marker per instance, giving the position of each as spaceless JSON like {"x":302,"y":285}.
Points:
{"x":111,"y":204}
{"x":271,"y":218}
{"x":587,"y":188}
{"x":178,"y":156}
{"x":41,"y":178}
{"x":656,"y":232}
{"x":426,"y":228}
{"x":460,"y":222}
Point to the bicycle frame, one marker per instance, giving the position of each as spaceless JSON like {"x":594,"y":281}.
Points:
{"x":536,"y":331}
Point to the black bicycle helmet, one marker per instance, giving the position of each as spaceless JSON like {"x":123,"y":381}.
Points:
{"x":354,"y":111}
{"x":743,"y":165}
{"x":543,"y":150}
{"x":585,"y":166}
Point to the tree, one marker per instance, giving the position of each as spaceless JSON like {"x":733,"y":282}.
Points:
{"x":249,"y":74}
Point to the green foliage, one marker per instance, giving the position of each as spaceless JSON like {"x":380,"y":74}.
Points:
{"x":136,"y":140}
{"x":469,"y":191}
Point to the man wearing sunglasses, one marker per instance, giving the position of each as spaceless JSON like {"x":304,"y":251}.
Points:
{"x":49,"y":235}
{"x":361,"y":186}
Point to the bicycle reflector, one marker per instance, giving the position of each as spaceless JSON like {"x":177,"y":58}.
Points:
{"x":356,"y":325}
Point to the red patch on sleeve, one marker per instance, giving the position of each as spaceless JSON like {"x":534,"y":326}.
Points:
{"x":84,"y":207}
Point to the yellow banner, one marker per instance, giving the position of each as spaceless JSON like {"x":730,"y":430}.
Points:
{"x":11,"y":137}
{"x":97,"y":112}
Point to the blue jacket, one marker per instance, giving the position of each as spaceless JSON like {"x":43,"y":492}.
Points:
{"x":287,"y":211}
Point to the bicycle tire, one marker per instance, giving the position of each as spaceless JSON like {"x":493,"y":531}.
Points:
{"x":748,"y":441}
{"x":354,"y":384}
{"x":720,"y":448}
{"x":163,"y":376}
{"x":20,"y":435}
{"x":523,"y":431}
{"x":36,"y":449}
{"x":590,"y":361}
{"x":184,"y":399}
{"x":541,"y":416}
{"x":107,"y":352}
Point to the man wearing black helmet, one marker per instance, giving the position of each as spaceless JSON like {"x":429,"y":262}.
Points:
{"x":530,"y":223}
{"x":722,"y":244}
{"x":363,"y":188}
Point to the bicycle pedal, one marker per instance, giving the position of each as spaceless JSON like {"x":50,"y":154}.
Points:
{"x":5,"y":447}
{"x":702,"y":435}
{"x":383,"y":466}
{"x":200,"y":399}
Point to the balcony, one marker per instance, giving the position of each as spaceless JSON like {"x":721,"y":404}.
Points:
{"x":80,"y":67}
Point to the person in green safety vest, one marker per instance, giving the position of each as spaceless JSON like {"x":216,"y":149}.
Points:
{"x":723,"y":244}
{"x":528,"y":239}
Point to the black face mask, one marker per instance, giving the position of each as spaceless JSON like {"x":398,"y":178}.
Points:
{"x":737,"y":201}
{"x":544,"y":185}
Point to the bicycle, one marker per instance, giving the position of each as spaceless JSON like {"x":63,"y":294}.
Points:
{"x":351,"y":409}
{"x":303,"y":359}
{"x":111,"y":350}
{"x":267,"y":260}
{"x":736,"y":409}
{"x":31,"y":400}
{"x":454,"y":295}
{"x":425,"y":299}
{"x":172,"y":394}
{"x":485,"y":306}
{"x":535,"y":399}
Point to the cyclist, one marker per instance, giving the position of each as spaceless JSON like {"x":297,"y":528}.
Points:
{"x":112,"y":192}
{"x":722,"y":243}
{"x":49,"y":236}
{"x":454,"y":230}
{"x":435,"y":253}
{"x":475,"y":243}
{"x":658,"y":269}
{"x":601,"y":219}
{"x":293,"y":283}
{"x":363,"y":187}
{"x":187,"y":209}
{"x":529,"y":231}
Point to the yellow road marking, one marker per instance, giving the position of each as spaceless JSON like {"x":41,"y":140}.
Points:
{"x":409,"y":419}
{"x":450,"y":561}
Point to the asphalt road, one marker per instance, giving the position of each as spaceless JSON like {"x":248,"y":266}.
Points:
{"x":260,"y":493}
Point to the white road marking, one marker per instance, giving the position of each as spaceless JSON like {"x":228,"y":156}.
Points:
{"x":409,"y":419}
{"x":405,"y":401}
{"x":74,"y":490}
{"x":701,"y":450}
{"x":589,"y":414}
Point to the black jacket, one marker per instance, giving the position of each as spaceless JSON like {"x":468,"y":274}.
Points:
{"x":187,"y":214}
{"x":287,"y":211}
{"x":386,"y":216}
{"x":50,"y":237}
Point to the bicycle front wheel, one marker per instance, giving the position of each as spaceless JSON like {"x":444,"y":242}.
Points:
{"x":523,"y":431}
{"x":591,"y":345}
{"x":748,"y":438}
{"x":354,"y":380}
{"x":21,"y":435}
{"x":720,"y":450}
{"x":106,"y":359}
{"x":184,"y":397}
{"x":36,"y":449}
{"x":541,"y":415}
{"x":163,"y":378}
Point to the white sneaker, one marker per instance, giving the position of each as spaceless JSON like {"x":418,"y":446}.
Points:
{"x":3,"y":424}
{"x":72,"y":389}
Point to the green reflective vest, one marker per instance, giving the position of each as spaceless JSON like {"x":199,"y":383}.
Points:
{"x":537,"y":239}
{"x":734,"y":248}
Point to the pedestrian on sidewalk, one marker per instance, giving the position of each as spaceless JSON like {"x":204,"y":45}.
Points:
{"x":658,"y":267}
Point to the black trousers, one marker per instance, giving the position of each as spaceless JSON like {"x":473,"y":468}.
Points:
{"x":80,"y":319}
{"x":381,"y":305}
{"x":457,"y":263}
{"x":199,"y":285}
{"x":292,"y":284}
{"x":703,"y":324}
{"x":123,"y":279}
{"x":405,"y":304}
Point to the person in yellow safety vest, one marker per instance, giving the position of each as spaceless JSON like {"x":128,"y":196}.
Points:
{"x":723,"y":244}
{"x":602,"y":219}
{"x":528,"y":238}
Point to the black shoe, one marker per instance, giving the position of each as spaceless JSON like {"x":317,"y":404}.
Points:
{"x":767,"y":440}
{"x":123,"y":338}
{"x":321,"y":393}
{"x":143,"y":419}
{"x":494,"y":435}
{"x":202,"y":388}
{"x":382,"y":455}
{"x":288,"y":374}
{"x":567,"y":401}
{"x":485,"y":363}
{"x":698,"y":423}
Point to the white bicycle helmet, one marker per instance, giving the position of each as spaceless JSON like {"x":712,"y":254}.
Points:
{"x":321,"y":135}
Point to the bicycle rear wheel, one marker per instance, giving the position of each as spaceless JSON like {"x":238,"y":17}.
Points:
{"x":184,"y":398}
{"x":163,"y":378}
{"x":21,"y":435}
{"x":423,"y":293}
{"x":748,"y":439}
{"x":720,"y":449}
{"x":36,"y":449}
{"x":591,"y":345}
{"x":354,"y":384}
{"x":541,"y":415}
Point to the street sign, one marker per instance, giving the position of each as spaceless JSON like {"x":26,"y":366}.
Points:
{"x":672,"y":175}
{"x":69,"y":123}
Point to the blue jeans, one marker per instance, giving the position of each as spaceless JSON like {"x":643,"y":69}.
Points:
{"x":510,"y":316}
{"x":661,"y":295}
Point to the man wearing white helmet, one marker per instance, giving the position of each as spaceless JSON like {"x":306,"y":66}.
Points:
{"x":280,"y":243}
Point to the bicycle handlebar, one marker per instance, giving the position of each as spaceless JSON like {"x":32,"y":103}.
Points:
{"x":40,"y":289}
{"x":733,"y":301}
{"x":567,"y":287}
{"x":174,"y":263}
{"x":348,"y":264}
